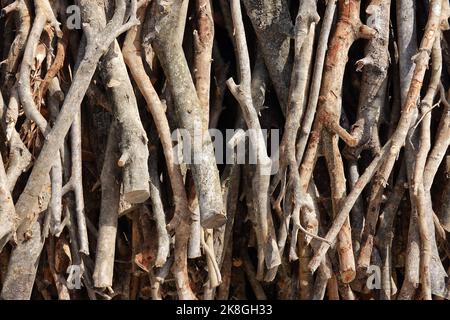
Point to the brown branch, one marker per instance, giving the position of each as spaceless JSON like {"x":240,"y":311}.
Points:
{"x":348,"y":30}
{"x":391,"y":149}
{"x":375,"y":67}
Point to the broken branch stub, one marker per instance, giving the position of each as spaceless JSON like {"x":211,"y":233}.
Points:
{"x":97,"y":45}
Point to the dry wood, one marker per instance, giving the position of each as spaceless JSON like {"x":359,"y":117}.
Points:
{"x":272,"y":23}
{"x":391,"y":149}
{"x":254,"y":149}
{"x":161,"y":33}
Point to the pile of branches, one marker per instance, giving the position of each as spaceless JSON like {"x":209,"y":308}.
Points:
{"x":95,"y":198}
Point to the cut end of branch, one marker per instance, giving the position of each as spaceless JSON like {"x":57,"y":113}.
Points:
{"x":366,"y":32}
{"x":137,"y":196}
{"x":123,"y":160}
{"x":348,"y":275}
{"x":213,"y":220}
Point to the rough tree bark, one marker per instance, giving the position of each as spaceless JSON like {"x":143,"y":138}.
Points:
{"x":160,"y":31}
{"x":335,"y":134}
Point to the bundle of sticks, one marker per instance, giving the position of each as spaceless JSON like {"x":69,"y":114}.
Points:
{"x":113,"y":117}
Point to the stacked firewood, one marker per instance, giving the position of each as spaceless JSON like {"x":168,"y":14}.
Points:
{"x":224,"y":149}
